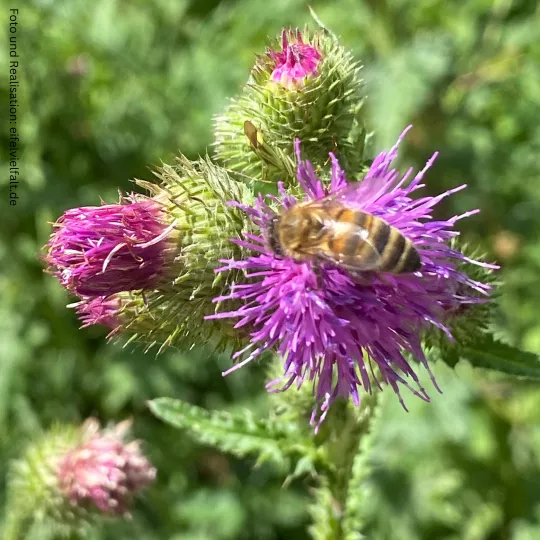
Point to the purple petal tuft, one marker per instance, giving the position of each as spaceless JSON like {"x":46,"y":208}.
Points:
{"x":98,"y":251}
{"x":295,"y":62}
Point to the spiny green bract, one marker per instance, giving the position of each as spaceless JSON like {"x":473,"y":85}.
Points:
{"x":468,"y":321}
{"x":196,"y":195}
{"x":294,"y":405}
{"x":325,"y":113}
{"x":35,"y":499}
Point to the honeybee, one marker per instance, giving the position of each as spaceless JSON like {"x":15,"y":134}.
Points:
{"x":330,"y":230}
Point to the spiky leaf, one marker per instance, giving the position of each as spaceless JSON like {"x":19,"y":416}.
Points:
{"x":491,"y":354}
{"x":239,"y":433}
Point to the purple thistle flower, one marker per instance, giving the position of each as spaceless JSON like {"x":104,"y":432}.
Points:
{"x":104,"y":472}
{"x":101,"y":250}
{"x":99,"y":310}
{"x":348,"y":335}
{"x":295,"y":61}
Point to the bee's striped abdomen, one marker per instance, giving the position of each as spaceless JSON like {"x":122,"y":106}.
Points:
{"x":399,"y":255}
{"x":410,"y":259}
{"x":380,"y":234}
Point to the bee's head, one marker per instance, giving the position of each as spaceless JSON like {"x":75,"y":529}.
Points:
{"x":272,"y":236}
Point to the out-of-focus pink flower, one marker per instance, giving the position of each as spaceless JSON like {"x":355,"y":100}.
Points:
{"x":104,"y":472}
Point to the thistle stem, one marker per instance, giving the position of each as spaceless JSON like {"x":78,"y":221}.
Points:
{"x":347,"y":441}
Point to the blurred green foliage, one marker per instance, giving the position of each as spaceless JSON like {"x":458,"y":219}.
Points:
{"x":108,"y":88}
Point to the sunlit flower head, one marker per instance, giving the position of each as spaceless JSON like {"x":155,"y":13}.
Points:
{"x":340,"y":333}
{"x":296,"y":61}
{"x":101,"y":250}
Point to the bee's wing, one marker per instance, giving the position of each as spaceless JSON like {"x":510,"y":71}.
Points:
{"x":366,"y":256}
{"x":338,"y":198}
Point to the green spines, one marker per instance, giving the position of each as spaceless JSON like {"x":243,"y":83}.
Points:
{"x":468,"y":322}
{"x":195,"y":195}
{"x":293,"y":406}
{"x":73,"y":477}
{"x":35,"y":499}
{"x":324,"y":112}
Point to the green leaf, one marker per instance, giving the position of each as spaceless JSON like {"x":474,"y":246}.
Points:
{"x":238,"y":433}
{"x":491,"y":354}
{"x":450,"y":356}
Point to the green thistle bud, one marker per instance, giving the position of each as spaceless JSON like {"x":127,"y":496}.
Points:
{"x":129,"y":314}
{"x":195,"y":197}
{"x":306,"y":87}
{"x":72,"y":478}
{"x":467,"y":320}
{"x":198,"y":195}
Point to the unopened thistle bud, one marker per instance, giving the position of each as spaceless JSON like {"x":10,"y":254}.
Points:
{"x":467,"y":315}
{"x":168,"y":309}
{"x":104,"y":472}
{"x":73,"y":476}
{"x":306,"y":86}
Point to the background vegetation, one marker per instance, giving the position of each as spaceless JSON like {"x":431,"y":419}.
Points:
{"x":109,"y":88}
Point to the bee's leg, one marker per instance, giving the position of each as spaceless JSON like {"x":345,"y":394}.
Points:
{"x":362,"y":278}
{"x":317,"y":270}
